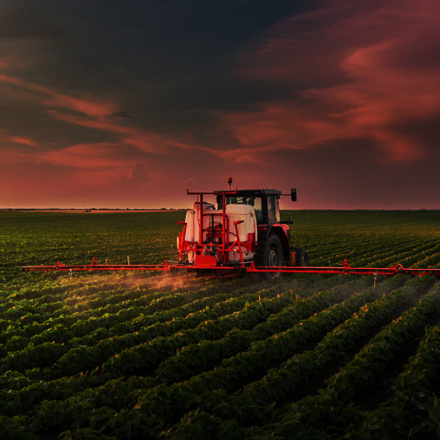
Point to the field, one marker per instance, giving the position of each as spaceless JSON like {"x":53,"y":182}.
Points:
{"x":176,"y":356}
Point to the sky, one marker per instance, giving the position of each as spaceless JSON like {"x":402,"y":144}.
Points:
{"x":106,"y":103}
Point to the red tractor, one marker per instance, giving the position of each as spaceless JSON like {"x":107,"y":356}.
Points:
{"x":243,"y":232}
{"x":244,"y":229}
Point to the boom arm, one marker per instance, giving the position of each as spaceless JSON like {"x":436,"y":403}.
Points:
{"x":345,"y":269}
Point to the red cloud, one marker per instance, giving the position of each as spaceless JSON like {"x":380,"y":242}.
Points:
{"x":361,"y":78}
{"x":85,"y":106}
{"x":93,"y":114}
{"x":5,"y":62}
{"x":21,"y":140}
{"x":15,"y":149}
{"x":101,"y":155}
{"x":98,"y":115}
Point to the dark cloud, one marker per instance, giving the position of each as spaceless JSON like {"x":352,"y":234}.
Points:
{"x":344,"y":174}
{"x":123,"y":115}
{"x":160,"y":59}
{"x":20,"y":22}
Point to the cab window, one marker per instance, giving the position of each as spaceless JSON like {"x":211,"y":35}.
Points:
{"x":256,"y":202}
{"x":273,"y":210}
{"x":258,"y":206}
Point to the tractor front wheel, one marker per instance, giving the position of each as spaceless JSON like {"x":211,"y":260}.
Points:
{"x":301,"y":257}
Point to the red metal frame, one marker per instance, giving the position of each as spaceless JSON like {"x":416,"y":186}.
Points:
{"x":346,"y":269}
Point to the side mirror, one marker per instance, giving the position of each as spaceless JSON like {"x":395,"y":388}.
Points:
{"x":293,"y":194}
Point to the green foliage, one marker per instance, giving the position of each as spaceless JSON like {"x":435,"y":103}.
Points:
{"x":134,"y":355}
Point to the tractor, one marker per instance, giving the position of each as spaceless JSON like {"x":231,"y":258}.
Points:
{"x":243,"y":232}
{"x":244,"y":229}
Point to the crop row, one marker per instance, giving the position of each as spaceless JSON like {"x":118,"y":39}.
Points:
{"x":164,"y":403}
{"x":147,"y":347}
{"x":284,"y":381}
{"x":157,"y":405}
{"x":205,"y":355}
{"x":248,"y":317}
{"x":130,"y":325}
{"x":78,"y":324}
{"x":277,"y":322}
{"x":147,"y":327}
{"x":253,"y":403}
{"x":414,"y":405}
{"x":47,"y":353}
{"x":409,"y":255}
{"x":385,"y":254}
{"x":361,"y":253}
{"x":77,"y":306}
{"x":27,"y":393}
{"x":363,"y":372}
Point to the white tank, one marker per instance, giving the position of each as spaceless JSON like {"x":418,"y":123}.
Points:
{"x":234,"y":213}
{"x":189,"y":220}
{"x":192,"y":224}
{"x":249,"y":226}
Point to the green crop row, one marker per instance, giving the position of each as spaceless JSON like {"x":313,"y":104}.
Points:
{"x":46,"y":354}
{"x":126,"y":356}
{"x":413,"y":409}
{"x":335,"y":406}
{"x":196,"y":358}
{"x":164,"y":402}
{"x":250,"y":404}
{"x":253,"y":404}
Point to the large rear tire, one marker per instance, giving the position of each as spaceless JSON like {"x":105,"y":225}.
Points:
{"x":269,"y":253}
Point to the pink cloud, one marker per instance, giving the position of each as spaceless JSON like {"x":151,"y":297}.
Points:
{"x":243,"y":155}
{"x":84,"y":156}
{"x":127,"y":135}
{"x":5,"y":62}
{"x":97,"y":115}
{"x":85,"y":106}
{"x":140,"y":138}
{"x":15,"y":149}
{"x":20,"y":140}
{"x":361,"y":78}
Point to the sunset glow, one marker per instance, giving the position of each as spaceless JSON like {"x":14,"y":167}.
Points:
{"x":338,"y":99}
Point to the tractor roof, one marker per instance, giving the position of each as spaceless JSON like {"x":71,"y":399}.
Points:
{"x":258,"y":192}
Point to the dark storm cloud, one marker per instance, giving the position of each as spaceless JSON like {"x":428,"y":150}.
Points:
{"x":26,"y":21}
{"x":167,"y":62}
{"x":425,"y":131}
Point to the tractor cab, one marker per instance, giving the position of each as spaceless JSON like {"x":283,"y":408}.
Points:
{"x":264,"y":201}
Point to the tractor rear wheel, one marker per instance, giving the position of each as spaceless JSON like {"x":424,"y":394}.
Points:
{"x":270,"y":254}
